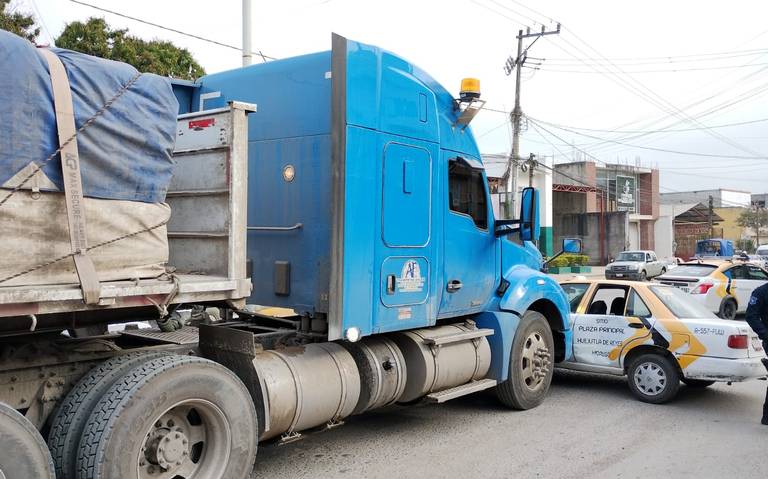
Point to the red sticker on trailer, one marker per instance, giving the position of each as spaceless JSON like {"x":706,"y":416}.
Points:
{"x":199,"y":124}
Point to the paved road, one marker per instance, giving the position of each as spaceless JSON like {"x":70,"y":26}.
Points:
{"x":589,"y":427}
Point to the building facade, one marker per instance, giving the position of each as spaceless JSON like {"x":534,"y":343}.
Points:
{"x":584,"y":188}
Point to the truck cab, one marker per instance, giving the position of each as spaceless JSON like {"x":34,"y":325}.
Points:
{"x":368,"y":203}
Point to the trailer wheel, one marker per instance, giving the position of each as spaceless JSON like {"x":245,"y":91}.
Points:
{"x":73,"y":412}
{"x":172,"y":417}
{"x":530,"y":364}
{"x":23,"y":453}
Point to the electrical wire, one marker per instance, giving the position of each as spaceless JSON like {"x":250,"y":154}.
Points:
{"x":198,"y":37}
{"x":725,"y":125}
{"x":663,"y":150}
{"x":674,"y":70}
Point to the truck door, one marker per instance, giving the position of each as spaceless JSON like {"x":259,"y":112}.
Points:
{"x":407,"y":247}
{"x":469,"y":258}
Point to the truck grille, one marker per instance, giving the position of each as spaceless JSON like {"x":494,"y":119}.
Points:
{"x":619,"y":268}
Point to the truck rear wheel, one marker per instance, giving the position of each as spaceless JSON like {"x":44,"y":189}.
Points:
{"x":23,"y":453}
{"x":73,"y":412}
{"x":530,"y":364}
{"x":177,"y":417}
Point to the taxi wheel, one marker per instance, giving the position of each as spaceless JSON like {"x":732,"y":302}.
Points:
{"x":727,"y":309}
{"x":653,"y":378}
{"x":697,"y":383}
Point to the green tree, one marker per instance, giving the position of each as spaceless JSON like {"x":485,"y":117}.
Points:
{"x":751,"y":218}
{"x":17,"y":22}
{"x":96,"y":37}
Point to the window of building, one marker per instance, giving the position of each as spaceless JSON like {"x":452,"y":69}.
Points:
{"x":466,"y":192}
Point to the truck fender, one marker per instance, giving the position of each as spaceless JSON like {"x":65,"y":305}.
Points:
{"x":531,"y":289}
{"x":504,"y":325}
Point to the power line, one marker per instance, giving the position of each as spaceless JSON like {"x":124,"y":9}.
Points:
{"x":666,"y":58}
{"x":263,"y":57}
{"x":725,"y":125}
{"x":669,"y":70}
{"x":663,"y":150}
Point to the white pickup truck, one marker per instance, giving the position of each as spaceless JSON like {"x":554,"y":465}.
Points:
{"x":637,"y":265}
{"x":656,"y":336}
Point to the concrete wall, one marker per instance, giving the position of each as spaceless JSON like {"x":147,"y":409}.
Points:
{"x":586,"y":227}
{"x":664,"y":236}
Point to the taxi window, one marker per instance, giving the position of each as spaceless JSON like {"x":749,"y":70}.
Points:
{"x":636,"y":307}
{"x":608,"y":300}
{"x":575,"y":291}
{"x":737,"y":272}
{"x":693,"y":270}
{"x":680,"y":304}
{"x":757,"y":273}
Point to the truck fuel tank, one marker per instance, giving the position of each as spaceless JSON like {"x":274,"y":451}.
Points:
{"x":443,"y":357}
{"x":308,"y":386}
{"x":382,"y":372}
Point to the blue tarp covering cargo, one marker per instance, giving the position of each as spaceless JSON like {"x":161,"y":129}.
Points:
{"x":125,"y":154}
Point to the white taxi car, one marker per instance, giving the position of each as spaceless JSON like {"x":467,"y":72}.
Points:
{"x":723,"y":287}
{"x":656,"y":336}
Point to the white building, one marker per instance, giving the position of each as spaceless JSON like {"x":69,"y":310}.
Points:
{"x":722,"y":198}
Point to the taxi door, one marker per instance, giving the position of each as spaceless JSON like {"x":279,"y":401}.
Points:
{"x":615,"y":318}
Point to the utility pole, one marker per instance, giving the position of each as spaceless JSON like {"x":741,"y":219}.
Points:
{"x":247,"y":56}
{"x":510,"y":175}
{"x":757,"y":227}
{"x":709,"y":214}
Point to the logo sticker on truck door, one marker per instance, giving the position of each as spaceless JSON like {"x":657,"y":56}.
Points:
{"x":410,"y":280}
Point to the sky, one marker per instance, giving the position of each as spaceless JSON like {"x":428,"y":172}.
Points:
{"x":618,"y":76}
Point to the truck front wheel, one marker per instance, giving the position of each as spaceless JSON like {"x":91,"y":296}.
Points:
{"x":530,"y":364}
{"x":171,"y":417}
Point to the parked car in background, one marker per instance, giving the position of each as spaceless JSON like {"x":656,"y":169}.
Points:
{"x":723,"y":287}
{"x":637,"y":265}
{"x":758,"y":260}
{"x":762,"y":251}
{"x":657,"y":336}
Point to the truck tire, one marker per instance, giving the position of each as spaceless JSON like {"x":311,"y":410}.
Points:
{"x":73,"y":412}
{"x":697,"y":383}
{"x":530,"y":364}
{"x":23,"y":453}
{"x":178,"y":416}
{"x":643,"y":276}
{"x":727,"y":309}
{"x":653,"y":378}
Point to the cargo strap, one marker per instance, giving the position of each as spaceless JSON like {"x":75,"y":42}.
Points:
{"x":73,"y":185}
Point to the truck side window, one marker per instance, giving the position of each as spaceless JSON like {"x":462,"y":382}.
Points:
{"x":466,"y":192}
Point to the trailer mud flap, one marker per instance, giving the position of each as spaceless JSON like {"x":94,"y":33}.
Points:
{"x":235,"y":349}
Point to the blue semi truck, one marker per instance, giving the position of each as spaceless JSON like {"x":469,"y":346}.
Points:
{"x":368,"y":221}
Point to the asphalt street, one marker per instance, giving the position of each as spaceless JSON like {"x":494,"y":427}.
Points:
{"x":589,"y":426}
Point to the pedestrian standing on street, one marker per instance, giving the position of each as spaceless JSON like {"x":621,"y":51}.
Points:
{"x":757,"y":317}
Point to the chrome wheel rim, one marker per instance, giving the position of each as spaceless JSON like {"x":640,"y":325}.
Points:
{"x":191,"y":439}
{"x":650,"y":379}
{"x":535,"y":361}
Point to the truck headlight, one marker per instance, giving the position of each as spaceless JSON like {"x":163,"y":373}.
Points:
{"x":632,"y":268}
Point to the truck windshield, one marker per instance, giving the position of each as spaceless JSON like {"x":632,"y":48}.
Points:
{"x":631,"y":256}
{"x":680,"y":303}
{"x":693,"y":270}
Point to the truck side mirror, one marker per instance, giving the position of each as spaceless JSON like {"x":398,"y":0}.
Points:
{"x":571,"y":245}
{"x":529,"y":215}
